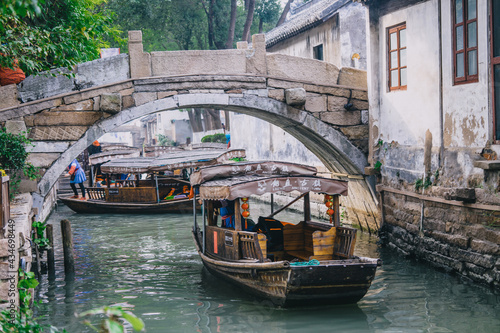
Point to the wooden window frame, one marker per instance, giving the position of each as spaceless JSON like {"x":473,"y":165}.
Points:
{"x":390,"y":30}
{"x":316,"y":54}
{"x":466,"y":78}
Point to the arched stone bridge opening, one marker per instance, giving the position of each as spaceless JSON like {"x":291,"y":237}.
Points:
{"x":304,"y":97}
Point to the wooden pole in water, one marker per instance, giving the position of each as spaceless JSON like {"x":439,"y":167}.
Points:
{"x":67,"y":238}
{"x":50,"y":252}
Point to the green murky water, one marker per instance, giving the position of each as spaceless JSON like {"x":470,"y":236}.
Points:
{"x":149,"y":262}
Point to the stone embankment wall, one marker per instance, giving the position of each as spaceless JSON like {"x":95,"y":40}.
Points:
{"x":462,"y":238}
{"x":14,"y":248}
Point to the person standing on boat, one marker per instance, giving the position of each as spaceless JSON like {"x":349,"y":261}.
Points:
{"x":77,"y":177}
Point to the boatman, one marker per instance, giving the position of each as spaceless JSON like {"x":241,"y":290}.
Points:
{"x":77,"y":177}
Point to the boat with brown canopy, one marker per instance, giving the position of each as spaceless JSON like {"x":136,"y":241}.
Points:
{"x":288,"y":263}
{"x":158,"y":193}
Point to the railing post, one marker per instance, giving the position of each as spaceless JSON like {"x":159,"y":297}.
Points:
{"x":5,"y":200}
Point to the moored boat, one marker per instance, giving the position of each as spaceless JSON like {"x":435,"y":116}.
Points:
{"x":158,"y":193}
{"x":288,"y":263}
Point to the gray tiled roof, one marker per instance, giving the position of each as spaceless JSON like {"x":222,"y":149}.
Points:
{"x":305,"y":17}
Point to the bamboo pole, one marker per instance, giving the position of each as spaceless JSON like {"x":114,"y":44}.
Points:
{"x":67,"y":238}
{"x":50,"y":252}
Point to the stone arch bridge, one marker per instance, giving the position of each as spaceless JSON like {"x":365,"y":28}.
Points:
{"x":305,"y":97}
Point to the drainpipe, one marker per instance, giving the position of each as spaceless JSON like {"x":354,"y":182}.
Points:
{"x":441,"y":116}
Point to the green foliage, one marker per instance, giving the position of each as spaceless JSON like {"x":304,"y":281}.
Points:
{"x":377,"y":166}
{"x":423,"y":183}
{"x":13,"y":157}
{"x":40,"y":239}
{"x":218,"y":137}
{"x":19,"y":7}
{"x":187,"y":24}
{"x":113,"y":321}
{"x":63,"y":34}
{"x":164,"y":140}
{"x":418,"y":184}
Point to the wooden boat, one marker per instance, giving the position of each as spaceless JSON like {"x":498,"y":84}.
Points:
{"x":290,"y":264}
{"x":156,"y":194}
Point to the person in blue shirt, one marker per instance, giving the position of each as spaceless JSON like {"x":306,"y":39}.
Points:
{"x":77,"y":177}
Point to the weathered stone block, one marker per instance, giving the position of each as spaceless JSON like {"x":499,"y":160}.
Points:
{"x":43,"y":160}
{"x":336,"y":104}
{"x":102,"y":71}
{"x":8,"y":96}
{"x":198,"y":62}
{"x":282,"y":84}
{"x":456,"y":240}
{"x":127,"y":102}
{"x":143,"y":97}
{"x":461,"y":194}
{"x":316,"y":103}
{"x":50,"y":147}
{"x":353,"y":77}
{"x":87,"y":105}
{"x":82,"y":118}
{"x":15,"y":126}
{"x":163,"y":94}
{"x":94,"y":92}
{"x":43,"y":86}
{"x":359,"y":105}
{"x":57,"y":133}
{"x":486,"y":261}
{"x":355,"y":132}
{"x":485,"y":247}
{"x":295,"y":96}
{"x":111,"y":103}
{"x":302,"y":69}
{"x":344,"y":118}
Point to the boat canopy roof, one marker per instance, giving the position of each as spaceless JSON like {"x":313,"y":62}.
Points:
{"x":108,"y":155}
{"x":171,"y":161}
{"x":238,"y":180}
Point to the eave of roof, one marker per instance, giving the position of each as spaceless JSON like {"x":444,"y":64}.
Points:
{"x":304,"y":20}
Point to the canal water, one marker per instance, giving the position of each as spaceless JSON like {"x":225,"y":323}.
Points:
{"x":148,"y":263}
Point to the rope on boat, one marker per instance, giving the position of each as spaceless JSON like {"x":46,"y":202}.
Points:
{"x":312,"y":262}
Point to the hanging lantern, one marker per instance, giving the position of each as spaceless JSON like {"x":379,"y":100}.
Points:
{"x":245,"y":206}
{"x":329,"y":203}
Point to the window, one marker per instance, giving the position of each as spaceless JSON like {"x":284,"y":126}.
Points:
{"x":318,"y":52}
{"x":465,"y":41}
{"x":397,"y":57}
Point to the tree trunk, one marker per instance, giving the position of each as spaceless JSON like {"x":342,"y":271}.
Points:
{"x":195,"y":120}
{"x":211,"y":119}
{"x":227,"y":120}
{"x":285,"y":11}
{"x":248,"y":22}
{"x":232,"y":25}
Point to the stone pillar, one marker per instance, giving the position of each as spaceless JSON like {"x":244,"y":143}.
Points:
{"x":257,"y":62}
{"x":140,"y":61}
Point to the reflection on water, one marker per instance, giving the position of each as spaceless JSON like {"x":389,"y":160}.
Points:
{"x":148,"y":262}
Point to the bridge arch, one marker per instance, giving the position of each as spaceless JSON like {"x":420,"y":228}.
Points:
{"x":330,"y":146}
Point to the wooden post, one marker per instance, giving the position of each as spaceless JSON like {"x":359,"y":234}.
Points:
{"x":307,"y":208}
{"x":237,"y":215}
{"x":67,"y":238}
{"x":336,"y":208}
{"x":50,"y":252}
